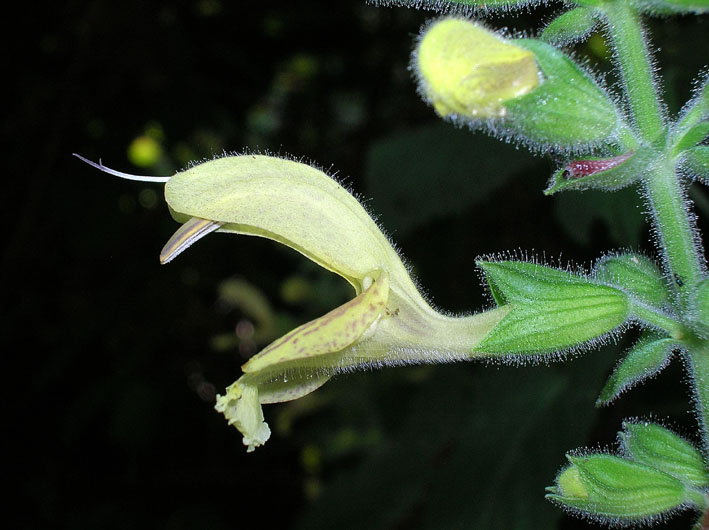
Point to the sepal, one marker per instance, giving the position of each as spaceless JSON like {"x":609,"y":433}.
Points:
{"x":658,"y":447}
{"x":570,"y":27}
{"x":637,"y":275}
{"x":568,"y":110}
{"x":699,"y":309}
{"x":617,"y":490}
{"x":607,"y":174}
{"x":550,"y":309}
{"x":693,"y":124}
{"x":645,"y":359}
{"x":695,"y":163}
{"x":690,"y":137}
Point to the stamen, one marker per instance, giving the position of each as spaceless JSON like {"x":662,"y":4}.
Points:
{"x":128,"y":176}
{"x":190,"y":232}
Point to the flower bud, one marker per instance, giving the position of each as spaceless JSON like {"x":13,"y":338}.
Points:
{"x":617,"y":490}
{"x":523,"y":88}
{"x":653,"y":445}
{"x":468,"y":70}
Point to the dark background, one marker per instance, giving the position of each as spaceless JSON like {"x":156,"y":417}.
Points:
{"x":112,"y":361}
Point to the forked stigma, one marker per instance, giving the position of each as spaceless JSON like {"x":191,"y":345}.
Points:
{"x":127,"y":176}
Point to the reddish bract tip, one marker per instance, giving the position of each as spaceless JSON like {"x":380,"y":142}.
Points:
{"x":583,"y":168}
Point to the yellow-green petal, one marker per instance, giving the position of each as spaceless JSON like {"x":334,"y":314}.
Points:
{"x":242,"y":409}
{"x":292,"y":386}
{"x":469,"y":71}
{"x":330,"y":333}
{"x":292,"y":203}
{"x":190,"y":231}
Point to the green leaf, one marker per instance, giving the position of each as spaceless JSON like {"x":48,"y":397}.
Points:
{"x":551,"y":309}
{"x":671,"y":7}
{"x":570,"y":27}
{"x":635,"y":274}
{"x":655,"y":446}
{"x":569,"y":110}
{"x":644,"y":360}
{"x":696,"y":163}
{"x":621,"y":171}
{"x":691,"y":137}
{"x":693,"y":124}
{"x":615,"y":489}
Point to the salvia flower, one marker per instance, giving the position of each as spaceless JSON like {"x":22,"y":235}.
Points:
{"x":387,"y":322}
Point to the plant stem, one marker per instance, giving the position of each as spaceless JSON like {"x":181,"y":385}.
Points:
{"x":674,"y":228}
{"x":673,"y":225}
{"x":633,"y":59}
{"x":651,"y":316}
{"x":698,"y":357}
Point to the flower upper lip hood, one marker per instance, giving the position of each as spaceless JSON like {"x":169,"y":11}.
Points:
{"x":292,"y":203}
{"x":388,"y":322}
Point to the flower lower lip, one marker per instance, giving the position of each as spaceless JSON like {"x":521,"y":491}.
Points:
{"x":190,"y":232}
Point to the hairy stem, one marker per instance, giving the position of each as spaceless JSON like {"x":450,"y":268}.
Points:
{"x":675,"y":228}
{"x":673,"y":224}
{"x":675,"y":329}
{"x":698,"y":357}
{"x":633,"y":59}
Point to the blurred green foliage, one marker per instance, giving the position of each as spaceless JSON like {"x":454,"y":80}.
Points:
{"x":110,"y":358}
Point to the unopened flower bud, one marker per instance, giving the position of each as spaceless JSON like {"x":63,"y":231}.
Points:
{"x":467,"y":70}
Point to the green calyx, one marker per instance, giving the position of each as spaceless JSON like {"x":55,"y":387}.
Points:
{"x":654,"y":445}
{"x":569,"y":27}
{"x":618,"y":490}
{"x":602,"y":173}
{"x":637,"y":275}
{"x":655,"y":473}
{"x":645,"y":359}
{"x":699,"y":309}
{"x":550,"y":309}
